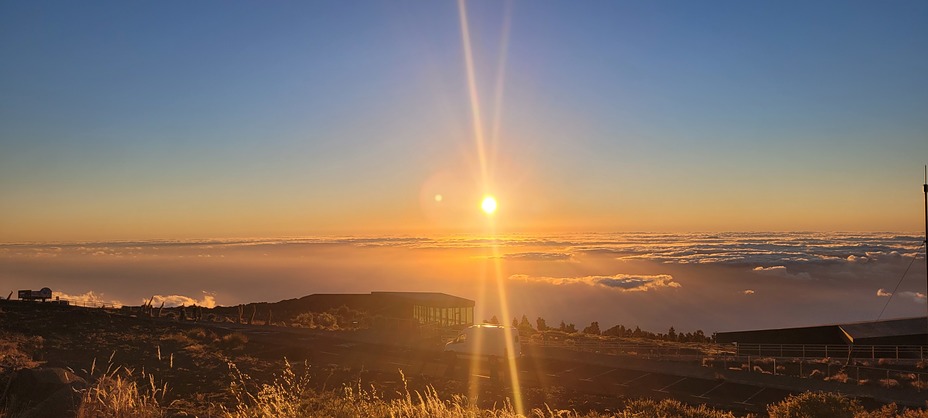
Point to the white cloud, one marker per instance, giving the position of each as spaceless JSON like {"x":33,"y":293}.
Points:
{"x":208,"y":300}
{"x":858,"y":259}
{"x":883,"y":293}
{"x":619,"y":282}
{"x":782,"y":271}
{"x":748,"y":292}
{"x":914,"y":296}
{"x":90,"y":298}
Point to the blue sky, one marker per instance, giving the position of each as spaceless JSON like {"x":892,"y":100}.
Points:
{"x":164,"y":119}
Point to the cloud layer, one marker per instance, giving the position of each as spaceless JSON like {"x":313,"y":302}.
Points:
{"x":619,"y":282}
{"x":747,"y":249}
{"x":782,"y":279}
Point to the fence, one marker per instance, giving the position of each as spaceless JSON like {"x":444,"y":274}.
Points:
{"x":645,"y":350}
{"x":88,"y":304}
{"x":804,"y":351}
{"x":797,"y":360}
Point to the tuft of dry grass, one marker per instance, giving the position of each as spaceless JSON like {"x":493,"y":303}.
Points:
{"x":284,"y":397}
{"x":16,"y":351}
{"x":889,"y":383}
{"x":838,"y":377}
{"x":233,"y":341}
{"x":116,"y":393}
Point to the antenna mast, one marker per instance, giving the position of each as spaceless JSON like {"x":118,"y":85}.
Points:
{"x":925,"y":189}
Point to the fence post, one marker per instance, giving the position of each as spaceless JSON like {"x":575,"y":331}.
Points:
{"x":826,"y":353}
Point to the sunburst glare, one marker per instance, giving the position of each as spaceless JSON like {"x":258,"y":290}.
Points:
{"x":488,"y":205}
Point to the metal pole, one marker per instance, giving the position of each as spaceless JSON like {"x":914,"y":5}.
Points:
{"x":925,"y":189}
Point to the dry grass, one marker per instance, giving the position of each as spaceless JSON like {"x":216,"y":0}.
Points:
{"x":670,"y":408}
{"x":815,"y":404}
{"x":889,"y":383}
{"x":838,"y":377}
{"x":233,"y":341}
{"x":122,"y":393}
{"x":117,"y":393}
{"x":289,"y":396}
{"x":920,"y":385}
{"x":892,"y":411}
{"x":16,"y":349}
{"x":281,"y":398}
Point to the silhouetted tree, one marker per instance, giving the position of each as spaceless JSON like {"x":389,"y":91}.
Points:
{"x":592,"y":329}
{"x":524,"y":326}
{"x":494,"y":320}
{"x":616,"y":331}
{"x":672,"y":334}
{"x":540,"y":323}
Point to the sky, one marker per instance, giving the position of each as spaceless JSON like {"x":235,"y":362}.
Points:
{"x":660,"y":163}
{"x":179,"y":120}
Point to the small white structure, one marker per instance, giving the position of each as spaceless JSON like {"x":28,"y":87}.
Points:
{"x":42,"y":295}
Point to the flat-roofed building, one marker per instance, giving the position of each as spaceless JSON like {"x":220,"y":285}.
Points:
{"x":430,"y":308}
{"x":903,"y":331}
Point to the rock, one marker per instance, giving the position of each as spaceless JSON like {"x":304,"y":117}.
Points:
{"x":46,"y":392}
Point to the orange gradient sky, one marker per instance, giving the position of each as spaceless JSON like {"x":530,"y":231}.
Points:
{"x":307,"y":119}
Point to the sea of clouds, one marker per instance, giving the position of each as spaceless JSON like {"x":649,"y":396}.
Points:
{"x":707,"y":281}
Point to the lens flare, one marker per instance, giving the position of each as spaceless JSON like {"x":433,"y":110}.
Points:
{"x":488,"y":205}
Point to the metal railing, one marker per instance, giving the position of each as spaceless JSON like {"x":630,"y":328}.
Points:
{"x":88,"y":304}
{"x":645,"y":350}
{"x":805,"y":351}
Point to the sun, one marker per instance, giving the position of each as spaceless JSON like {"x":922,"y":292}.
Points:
{"x":488,"y":205}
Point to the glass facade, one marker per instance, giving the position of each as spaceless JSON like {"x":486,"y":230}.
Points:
{"x":443,"y":316}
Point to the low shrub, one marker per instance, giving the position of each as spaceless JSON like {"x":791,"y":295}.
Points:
{"x":671,"y":408}
{"x":233,"y":341}
{"x":815,"y":405}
